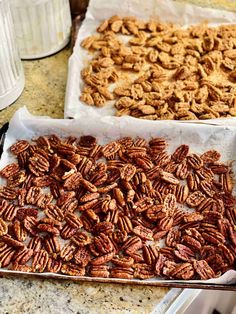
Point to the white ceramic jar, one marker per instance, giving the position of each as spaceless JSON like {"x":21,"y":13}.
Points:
{"x":11,"y":71}
{"x":42,"y":26}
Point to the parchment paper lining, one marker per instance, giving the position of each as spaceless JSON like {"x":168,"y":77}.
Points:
{"x":200,"y":138}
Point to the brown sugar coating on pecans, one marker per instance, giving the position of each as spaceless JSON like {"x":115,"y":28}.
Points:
{"x":127,"y":209}
{"x":169,"y":72}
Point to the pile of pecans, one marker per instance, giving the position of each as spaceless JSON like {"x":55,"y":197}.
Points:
{"x":127,"y":209}
{"x":163,"y":71}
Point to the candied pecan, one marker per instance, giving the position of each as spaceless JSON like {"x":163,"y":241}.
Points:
{"x":193,"y":217}
{"x":182,"y":271}
{"x":210,"y":156}
{"x":103,"y":244}
{"x":184,"y":253}
{"x":54,"y":265}
{"x":143,"y":204}
{"x":87,"y":141}
{"x":19,"y":147}
{"x":8,"y":210}
{"x":82,"y":256}
{"x":127,"y":172}
{"x":119,"y":196}
{"x":143,"y":271}
{"x":132,"y":244}
{"x":156,"y":212}
{"x":72,"y":269}
{"x":72,"y":181}
{"x":180,"y":153}
{"x":125,"y":224}
{"x":67,"y":252}
{"x":168,"y":177}
{"x":8,"y":193}
{"x":229,"y":256}
{"x":203,"y":269}
{"x":143,"y":233}
{"x":102,"y":259}
{"x":195,"y":199}
{"x":99,"y":271}
{"x":73,"y":220}
{"x":23,"y":256}
{"x":3,"y":227}
{"x":89,"y":197}
{"x":105,"y":227}
{"x":122,"y":272}
{"x":181,"y":193}
{"x":165,"y":223}
{"x":40,"y":261}
{"x":150,"y":254}
{"x":159,"y":264}
{"x":10,"y":170}
{"x":125,"y":261}
{"x":54,"y":212}
{"x":81,"y":238}
{"x":173,"y":237}
{"x":67,"y":232}
{"x":30,"y":224}
{"x":110,"y":149}
{"x":51,"y":244}
{"x":12,"y":242}
{"x":35,"y":244}
{"x":119,"y":236}
{"x":195,"y":161}
{"x":6,"y":254}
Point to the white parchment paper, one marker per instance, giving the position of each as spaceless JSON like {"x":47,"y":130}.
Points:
{"x":200,"y":138}
{"x":98,"y":10}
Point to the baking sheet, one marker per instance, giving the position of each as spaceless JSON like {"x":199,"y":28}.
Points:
{"x":200,"y":138}
{"x":98,"y":10}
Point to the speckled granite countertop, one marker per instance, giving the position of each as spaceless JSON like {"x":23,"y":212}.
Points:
{"x":45,"y":83}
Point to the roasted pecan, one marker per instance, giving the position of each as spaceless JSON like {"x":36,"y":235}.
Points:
{"x":19,"y":147}
{"x":203,"y":269}
{"x":99,"y":271}
{"x":184,"y":253}
{"x":23,"y":256}
{"x":10,"y":170}
{"x":72,"y":269}
{"x":40,"y":261}
{"x":6,"y":254}
{"x":81,"y":238}
{"x":182,"y":271}
{"x":122,"y":272}
{"x":82,"y":256}
{"x":67,"y":252}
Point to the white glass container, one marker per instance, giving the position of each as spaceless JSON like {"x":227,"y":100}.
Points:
{"x":42,"y":26}
{"x":11,"y":71}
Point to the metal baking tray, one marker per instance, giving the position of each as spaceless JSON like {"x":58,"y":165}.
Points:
{"x":168,"y":283}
